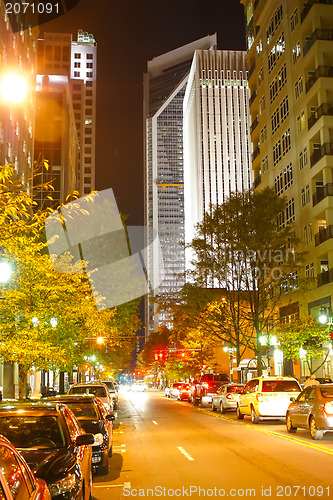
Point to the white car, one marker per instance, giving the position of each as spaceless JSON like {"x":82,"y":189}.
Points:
{"x":227,"y":397}
{"x":97,"y":389}
{"x":267,"y":397}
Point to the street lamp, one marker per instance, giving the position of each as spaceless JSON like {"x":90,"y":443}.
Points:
{"x":14,"y":88}
{"x":5,"y":272}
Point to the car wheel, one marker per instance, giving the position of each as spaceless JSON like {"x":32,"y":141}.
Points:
{"x":240,"y":415}
{"x":254,"y":416}
{"x":289,"y":425}
{"x":223,"y":410}
{"x":110,"y":452}
{"x":314,"y":431}
{"x":196,"y":401}
{"x":213,"y":407}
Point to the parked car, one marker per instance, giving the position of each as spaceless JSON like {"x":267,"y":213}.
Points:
{"x":173,"y":390}
{"x":184,"y":392}
{"x":93,"y":417}
{"x":16,"y":477}
{"x":113,"y":391}
{"x":207,"y":387}
{"x":54,"y":445}
{"x":312,"y":410}
{"x":267,"y":397}
{"x":96,"y":389}
{"x":226,"y":397}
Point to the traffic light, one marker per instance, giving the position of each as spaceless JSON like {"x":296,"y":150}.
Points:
{"x":159,"y":355}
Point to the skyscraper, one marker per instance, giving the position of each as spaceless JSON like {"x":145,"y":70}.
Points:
{"x":217,"y":143}
{"x":18,"y":55}
{"x":290,"y":55}
{"x":164,"y":90}
{"x":59,"y":57}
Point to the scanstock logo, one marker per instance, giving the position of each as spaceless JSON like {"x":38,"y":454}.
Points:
{"x":23,"y":14}
{"x":87,"y":236}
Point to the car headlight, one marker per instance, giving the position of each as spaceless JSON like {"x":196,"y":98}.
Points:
{"x":98,"y":439}
{"x":63,"y":485}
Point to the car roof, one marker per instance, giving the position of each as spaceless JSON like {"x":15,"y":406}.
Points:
{"x":42,"y":408}
{"x":81,"y":398}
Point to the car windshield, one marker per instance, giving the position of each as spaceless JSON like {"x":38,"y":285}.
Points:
{"x":31,"y":431}
{"x":109,"y":385}
{"x":82,"y":411}
{"x":327,"y":392}
{"x":214,"y":387}
{"x":280,"y":386}
{"x":96,"y":391}
{"x":235,"y":388}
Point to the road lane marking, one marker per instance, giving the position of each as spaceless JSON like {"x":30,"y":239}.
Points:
{"x":184,"y":452}
{"x":105,"y":485}
{"x":154,"y":422}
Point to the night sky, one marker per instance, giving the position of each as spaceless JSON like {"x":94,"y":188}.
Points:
{"x":128,"y":34}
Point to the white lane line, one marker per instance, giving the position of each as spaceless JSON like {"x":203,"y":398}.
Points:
{"x":154,"y":422}
{"x":125,"y":485}
{"x":184,"y":452}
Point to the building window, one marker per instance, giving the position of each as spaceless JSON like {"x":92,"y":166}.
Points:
{"x":284,"y":109}
{"x":307,"y":233}
{"x":290,"y":211}
{"x":77,"y":74}
{"x":305,"y":195}
{"x":286,"y":142}
{"x":90,"y":65}
{"x":296,"y":52}
{"x":273,"y":90}
{"x":293,"y":20}
{"x":89,"y":74}
{"x":77,"y":56}
{"x":298,"y":87}
{"x":260,"y":76}
{"x":288,"y":176}
{"x":263,"y":134}
{"x":309,"y":270}
{"x":276,"y":152}
{"x":90,"y":56}
{"x":282,"y":76}
{"x":262,"y":105}
{"x":301,"y":122}
{"x":303,"y":158}
{"x":264,"y":164}
{"x":279,"y":184}
{"x":77,"y":65}
{"x":275,"y":120}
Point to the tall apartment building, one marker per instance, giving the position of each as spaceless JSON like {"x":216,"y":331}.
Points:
{"x":290,"y":55}
{"x":18,"y":55}
{"x":61,"y":60}
{"x":164,"y":90}
{"x":217,"y":146}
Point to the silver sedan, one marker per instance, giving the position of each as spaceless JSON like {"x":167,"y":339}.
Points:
{"x":226,"y":397}
{"x":312,"y":410}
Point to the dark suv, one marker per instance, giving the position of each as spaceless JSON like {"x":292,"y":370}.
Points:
{"x":93,"y":417}
{"x":207,"y":387}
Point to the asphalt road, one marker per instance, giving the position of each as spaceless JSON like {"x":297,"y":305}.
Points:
{"x":166,"y":448}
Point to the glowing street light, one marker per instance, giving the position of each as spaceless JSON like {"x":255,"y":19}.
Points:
{"x":14,"y":88}
{"x":5,"y":272}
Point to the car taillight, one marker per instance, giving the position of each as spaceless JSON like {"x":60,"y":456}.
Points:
{"x":328,"y":408}
{"x":205,"y":385}
{"x":260,"y":398}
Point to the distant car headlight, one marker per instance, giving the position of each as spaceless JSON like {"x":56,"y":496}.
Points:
{"x":62,"y":486}
{"x":98,"y":439}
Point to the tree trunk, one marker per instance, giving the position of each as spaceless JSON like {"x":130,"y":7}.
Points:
{"x":22,"y":374}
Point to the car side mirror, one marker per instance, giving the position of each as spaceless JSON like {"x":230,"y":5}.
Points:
{"x":292,"y":398}
{"x":110,"y":417}
{"x":84,"y":439}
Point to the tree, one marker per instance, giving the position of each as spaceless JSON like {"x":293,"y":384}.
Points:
{"x":304,"y":339}
{"x":46,"y":315}
{"x":245,"y":247}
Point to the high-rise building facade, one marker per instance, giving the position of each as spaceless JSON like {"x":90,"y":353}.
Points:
{"x":290,"y":55}
{"x":18,"y":57}
{"x":59,"y":58}
{"x":217,"y":146}
{"x":164,"y":90}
